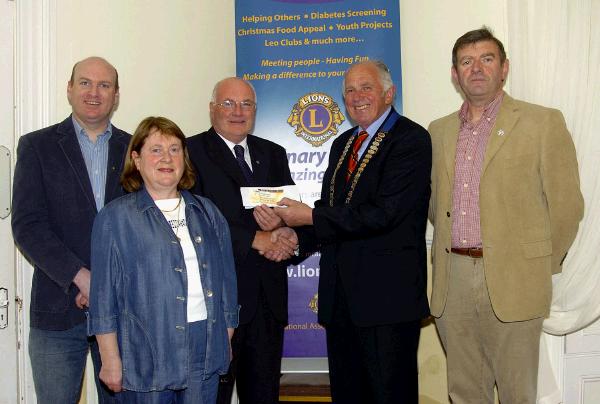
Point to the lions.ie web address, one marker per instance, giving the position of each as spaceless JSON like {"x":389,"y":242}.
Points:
{"x":302,"y":271}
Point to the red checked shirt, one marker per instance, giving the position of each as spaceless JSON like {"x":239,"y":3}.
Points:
{"x":470,"y":152}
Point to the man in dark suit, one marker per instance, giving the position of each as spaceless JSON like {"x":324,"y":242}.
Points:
{"x":64,"y":174}
{"x":370,"y":223}
{"x":227,"y":157}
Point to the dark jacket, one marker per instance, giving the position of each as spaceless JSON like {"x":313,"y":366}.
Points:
{"x":53,"y":214}
{"x":375,"y":240}
{"x":219,"y":178}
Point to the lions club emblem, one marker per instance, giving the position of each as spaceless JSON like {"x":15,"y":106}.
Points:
{"x":315,"y":118}
{"x":313,"y":305}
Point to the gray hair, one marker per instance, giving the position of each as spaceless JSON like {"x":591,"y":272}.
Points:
{"x":385,"y":77}
{"x":216,"y":87}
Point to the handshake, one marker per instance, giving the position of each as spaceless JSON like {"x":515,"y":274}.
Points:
{"x":274,"y":241}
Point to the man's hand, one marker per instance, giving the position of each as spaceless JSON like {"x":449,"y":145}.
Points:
{"x":279,"y":250}
{"x":287,"y":239}
{"x":82,"y":281}
{"x":81,"y":301}
{"x":266,"y":218}
{"x":295,"y":214}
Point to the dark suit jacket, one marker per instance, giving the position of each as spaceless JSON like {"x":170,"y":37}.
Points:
{"x":376,"y":241}
{"x":219,"y":178}
{"x":53,"y":214}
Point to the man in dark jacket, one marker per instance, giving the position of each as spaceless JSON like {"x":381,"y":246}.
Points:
{"x":64,"y":174}
{"x":228,"y":157}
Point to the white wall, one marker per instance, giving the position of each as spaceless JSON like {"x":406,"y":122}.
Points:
{"x":169,"y":54}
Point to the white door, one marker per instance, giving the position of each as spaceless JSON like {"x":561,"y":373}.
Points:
{"x":9,"y":345}
{"x":582,"y":366}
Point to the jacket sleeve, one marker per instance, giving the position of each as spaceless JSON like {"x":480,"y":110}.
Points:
{"x":103,"y":308}
{"x":404,"y":180}
{"x":31,"y":225}
{"x":560,"y":180}
{"x":229,"y":292}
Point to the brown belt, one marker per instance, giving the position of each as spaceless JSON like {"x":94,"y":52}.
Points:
{"x":475,"y":252}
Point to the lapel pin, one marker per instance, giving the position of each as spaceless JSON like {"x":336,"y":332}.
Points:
{"x":500,"y":132}
{"x":257,"y":162}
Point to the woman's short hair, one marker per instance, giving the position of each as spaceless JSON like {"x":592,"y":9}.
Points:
{"x":131,"y":178}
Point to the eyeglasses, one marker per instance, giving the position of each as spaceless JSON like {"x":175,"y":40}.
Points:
{"x":245,"y":105}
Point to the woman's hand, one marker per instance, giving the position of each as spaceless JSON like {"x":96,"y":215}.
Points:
{"x":230,"y":335}
{"x":111,"y":374}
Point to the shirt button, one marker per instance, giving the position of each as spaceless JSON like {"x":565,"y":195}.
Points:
{"x":469,"y":158}
{"x":463,"y":213}
{"x":463,"y":241}
{"x":209,"y":293}
{"x":474,"y":132}
{"x":465,"y":185}
{"x":198,"y":239}
{"x":489,"y":119}
{"x":204,"y":266}
{"x":180,"y":298}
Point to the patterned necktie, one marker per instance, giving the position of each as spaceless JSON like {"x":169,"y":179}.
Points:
{"x":239,"y":156}
{"x":352,"y":163}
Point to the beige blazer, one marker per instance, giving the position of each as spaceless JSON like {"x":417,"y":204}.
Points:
{"x":530,"y":205}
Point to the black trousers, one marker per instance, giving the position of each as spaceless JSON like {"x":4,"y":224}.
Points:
{"x":256,"y":366}
{"x":371,"y":364}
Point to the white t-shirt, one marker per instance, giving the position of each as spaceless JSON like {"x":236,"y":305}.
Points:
{"x":174,"y":212}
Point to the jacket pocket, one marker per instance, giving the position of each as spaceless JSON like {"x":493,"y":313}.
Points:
{"x":535,"y":249}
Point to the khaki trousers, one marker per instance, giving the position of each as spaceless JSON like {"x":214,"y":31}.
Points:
{"x":481,"y":350}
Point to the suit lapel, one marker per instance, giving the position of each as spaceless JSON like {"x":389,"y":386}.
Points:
{"x":70,"y":147}
{"x":260,"y":161}
{"x":505,"y":122}
{"x":116,"y":153}
{"x":223,"y":157}
{"x":449,"y":141}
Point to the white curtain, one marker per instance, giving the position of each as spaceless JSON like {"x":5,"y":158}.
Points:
{"x":554,"y":52}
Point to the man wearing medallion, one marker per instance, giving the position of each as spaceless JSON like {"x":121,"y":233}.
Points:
{"x":370,"y":224}
{"x":505,"y":206}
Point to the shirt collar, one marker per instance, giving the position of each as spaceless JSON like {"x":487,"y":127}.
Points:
{"x":230,"y":144}
{"x":82,"y":134}
{"x":372,"y":129}
{"x":489,"y":112}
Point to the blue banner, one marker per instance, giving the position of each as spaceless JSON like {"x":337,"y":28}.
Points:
{"x":295,"y":53}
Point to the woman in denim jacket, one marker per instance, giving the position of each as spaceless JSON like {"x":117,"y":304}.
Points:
{"x":163,"y":302}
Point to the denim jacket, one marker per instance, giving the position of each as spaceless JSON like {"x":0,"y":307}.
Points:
{"x":139,"y":288}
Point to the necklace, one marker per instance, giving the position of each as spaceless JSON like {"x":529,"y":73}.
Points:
{"x":178,"y":220}
{"x":175,"y":208}
{"x":173,"y":216}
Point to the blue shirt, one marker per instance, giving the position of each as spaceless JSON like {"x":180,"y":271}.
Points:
{"x":95,"y":156}
{"x":372,"y":130}
{"x":139,"y":288}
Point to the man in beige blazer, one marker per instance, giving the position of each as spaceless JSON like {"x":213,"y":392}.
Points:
{"x":505,"y":206}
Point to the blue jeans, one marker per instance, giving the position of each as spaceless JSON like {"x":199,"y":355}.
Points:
{"x":199,"y":390}
{"x":58,"y":361}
